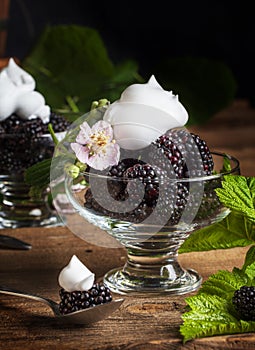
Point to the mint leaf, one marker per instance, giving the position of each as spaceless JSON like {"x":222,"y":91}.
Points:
{"x":237,"y":193}
{"x":233,"y":231}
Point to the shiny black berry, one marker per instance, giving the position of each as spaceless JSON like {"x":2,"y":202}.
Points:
{"x":244,"y":303}
{"x":205,"y":154}
{"x":149,"y":176}
{"x":165,"y":154}
{"x":22,"y":144}
{"x":79,"y":300}
{"x":182,"y":154}
{"x":58,"y":122}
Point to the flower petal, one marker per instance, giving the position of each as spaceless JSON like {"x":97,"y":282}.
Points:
{"x":84,"y":135}
{"x":102,"y":160}
{"x":81,"y":152}
{"x":103,"y":126}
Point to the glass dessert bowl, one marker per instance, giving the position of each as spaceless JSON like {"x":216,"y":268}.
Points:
{"x":134,"y":170}
{"x":18,"y":208}
{"x":152,"y":237}
{"x":24,"y":141}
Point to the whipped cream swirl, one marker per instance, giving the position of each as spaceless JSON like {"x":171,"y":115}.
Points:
{"x":17,"y":95}
{"x":143,"y":113}
{"x":76,"y":276}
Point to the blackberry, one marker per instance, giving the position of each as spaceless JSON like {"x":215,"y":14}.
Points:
{"x":2,"y":130}
{"x":172,"y":150}
{"x":149,"y":178}
{"x":205,"y":154}
{"x":58,"y":122}
{"x":165,"y":154}
{"x":172,"y":156}
{"x":116,"y":187}
{"x":173,"y":196}
{"x":181,"y":198}
{"x":138,"y":214}
{"x":21,"y":142}
{"x":79,"y":300}
{"x":28,"y":128}
{"x":244,"y":303}
{"x":11,"y":124}
{"x":119,"y":169}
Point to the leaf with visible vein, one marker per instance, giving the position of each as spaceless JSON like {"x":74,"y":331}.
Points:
{"x":233,"y":231}
{"x":196,"y":329}
{"x":224,"y":283}
{"x":237,"y":193}
{"x":249,"y":258}
{"x":211,"y":311}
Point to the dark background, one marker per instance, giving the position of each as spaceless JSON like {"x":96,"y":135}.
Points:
{"x":149,"y":32}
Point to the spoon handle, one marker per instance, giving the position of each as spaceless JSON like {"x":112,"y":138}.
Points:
{"x":16,"y":292}
{"x":7,"y":242}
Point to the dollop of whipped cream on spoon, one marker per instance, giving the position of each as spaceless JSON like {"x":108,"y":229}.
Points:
{"x":76,"y":276}
{"x":143,"y":113}
{"x":17,"y":95}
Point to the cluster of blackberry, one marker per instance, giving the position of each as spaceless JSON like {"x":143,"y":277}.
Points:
{"x":244,"y":303}
{"x":167,"y":159}
{"x":22,"y":144}
{"x":182,"y":154}
{"x":79,"y":300}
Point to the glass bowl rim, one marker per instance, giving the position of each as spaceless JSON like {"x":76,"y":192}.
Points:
{"x":235,"y":169}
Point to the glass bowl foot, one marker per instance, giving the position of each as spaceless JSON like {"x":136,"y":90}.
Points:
{"x":49,"y":221}
{"x":121,"y":282}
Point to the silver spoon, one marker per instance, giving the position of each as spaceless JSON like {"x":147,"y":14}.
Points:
{"x":85,"y":316}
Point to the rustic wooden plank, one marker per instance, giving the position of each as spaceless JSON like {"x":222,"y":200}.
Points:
{"x":141,"y":323}
{"x":232,"y":131}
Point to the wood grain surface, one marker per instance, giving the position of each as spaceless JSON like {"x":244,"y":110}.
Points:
{"x":140,"y":323}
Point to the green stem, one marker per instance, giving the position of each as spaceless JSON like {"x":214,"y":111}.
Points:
{"x":72,"y":104}
{"x":54,"y":138}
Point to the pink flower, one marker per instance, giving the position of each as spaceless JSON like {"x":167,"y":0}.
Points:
{"x":95,"y":146}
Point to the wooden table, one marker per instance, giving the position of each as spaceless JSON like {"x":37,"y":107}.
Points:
{"x":140,"y":323}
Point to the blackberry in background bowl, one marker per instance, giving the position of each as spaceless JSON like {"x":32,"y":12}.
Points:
{"x":24,"y":143}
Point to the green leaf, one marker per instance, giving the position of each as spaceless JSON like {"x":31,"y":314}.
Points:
{"x":250,"y":271}
{"x":195,"y":329}
{"x":206,"y":307}
{"x":249,"y":258}
{"x":237,"y":193}
{"x":211,"y":311}
{"x":70,"y":62}
{"x":39,"y":174}
{"x":224,"y":283}
{"x":226,"y":165}
{"x":233,"y":231}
